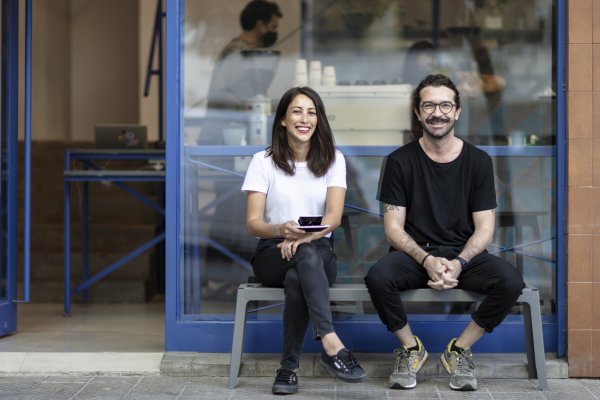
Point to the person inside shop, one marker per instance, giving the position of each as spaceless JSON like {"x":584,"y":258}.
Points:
{"x":242,"y":71}
{"x":300,"y":174}
{"x":439,"y":198}
{"x":420,"y":58}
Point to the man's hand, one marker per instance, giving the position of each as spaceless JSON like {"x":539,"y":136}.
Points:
{"x":443,"y":273}
{"x":434,"y":267}
{"x":453,"y":268}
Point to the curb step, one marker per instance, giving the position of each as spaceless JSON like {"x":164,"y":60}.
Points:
{"x":378,"y":365}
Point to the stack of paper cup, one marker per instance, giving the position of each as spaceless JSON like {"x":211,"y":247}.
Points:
{"x":315,"y":74}
{"x":301,"y":76}
{"x":329,"y":76}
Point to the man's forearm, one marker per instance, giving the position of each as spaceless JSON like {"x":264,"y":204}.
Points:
{"x":404,"y":242}
{"x":476,"y":244}
{"x":401,"y":240}
{"x":481,"y":237}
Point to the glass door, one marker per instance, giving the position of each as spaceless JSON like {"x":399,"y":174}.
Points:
{"x":8,"y":171}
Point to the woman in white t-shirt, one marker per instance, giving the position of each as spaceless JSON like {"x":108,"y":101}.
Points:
{"x":300,"y":174}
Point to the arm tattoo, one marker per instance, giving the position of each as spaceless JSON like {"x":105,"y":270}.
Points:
{"x":407,"y":236}
{"x":390,"y":207}
{"x":402,"y":240}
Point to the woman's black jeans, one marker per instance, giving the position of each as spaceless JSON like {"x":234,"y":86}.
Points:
{"x":306,"y":279}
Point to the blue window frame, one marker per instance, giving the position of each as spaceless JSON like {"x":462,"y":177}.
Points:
{"x":8,"y":165}
{"x":190,"y":327}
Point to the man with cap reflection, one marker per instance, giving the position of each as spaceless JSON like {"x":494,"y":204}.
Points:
{"x":243,"y":70}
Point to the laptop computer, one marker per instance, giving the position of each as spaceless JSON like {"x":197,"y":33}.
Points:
{"x":120,"y":136}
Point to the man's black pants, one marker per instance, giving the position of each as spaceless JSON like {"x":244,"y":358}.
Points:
{"x":487,"y":274}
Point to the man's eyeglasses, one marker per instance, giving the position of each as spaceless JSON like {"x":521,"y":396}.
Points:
{"x":445,"y":107}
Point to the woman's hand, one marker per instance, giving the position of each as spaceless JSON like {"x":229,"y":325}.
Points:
{"x":289,"y":247}
{"x":289,"y":230}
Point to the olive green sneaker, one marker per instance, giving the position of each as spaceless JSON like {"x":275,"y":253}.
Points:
{"x":408,"y":363}
{"x":460,"y":367}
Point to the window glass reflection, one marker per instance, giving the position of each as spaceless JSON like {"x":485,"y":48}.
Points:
{"x":364,"y":57}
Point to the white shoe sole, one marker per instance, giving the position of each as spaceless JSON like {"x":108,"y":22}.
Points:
{"x":466,"y":388}
{"x":399,"y":386}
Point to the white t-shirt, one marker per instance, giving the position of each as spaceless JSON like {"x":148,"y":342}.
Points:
{"x":289,"y":197}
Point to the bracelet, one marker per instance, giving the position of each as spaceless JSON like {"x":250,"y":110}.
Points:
{"x":423,"y":260}
{"x":274,"y":229}
{"x":462,"y":261}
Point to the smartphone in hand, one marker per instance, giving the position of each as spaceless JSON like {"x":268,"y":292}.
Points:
{"x":311,"y":223}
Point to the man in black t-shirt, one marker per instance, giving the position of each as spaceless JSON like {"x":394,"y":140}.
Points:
{"x":439,"y":199}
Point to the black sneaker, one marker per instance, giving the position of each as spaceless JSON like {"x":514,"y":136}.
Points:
{"x":286,"y":382}
{"x":344,"y":366}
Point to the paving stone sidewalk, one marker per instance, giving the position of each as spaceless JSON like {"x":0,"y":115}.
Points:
{"x":140,"y":387}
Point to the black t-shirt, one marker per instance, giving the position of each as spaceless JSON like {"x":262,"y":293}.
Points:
{"x":439,"y":197}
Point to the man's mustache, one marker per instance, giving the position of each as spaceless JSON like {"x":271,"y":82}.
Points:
{"x":434,"y":120}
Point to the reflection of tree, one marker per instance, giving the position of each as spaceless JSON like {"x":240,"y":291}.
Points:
{"x":356,"y":16}
{"x":368,"y":241}
{"x":491,"y":86}
{"x":374,"y":7}
{"x":354,"y":194}
{"x":415,"y":18}
{"x":481,"y":80}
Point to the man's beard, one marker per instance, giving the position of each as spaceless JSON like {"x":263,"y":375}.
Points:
{"x":437,"y":135}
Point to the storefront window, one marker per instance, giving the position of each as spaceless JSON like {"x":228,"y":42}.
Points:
{"x":364,"y":57}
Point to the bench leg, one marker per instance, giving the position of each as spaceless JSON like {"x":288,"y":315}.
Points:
{"x":237,"y":344}
{"x":534,"y":339}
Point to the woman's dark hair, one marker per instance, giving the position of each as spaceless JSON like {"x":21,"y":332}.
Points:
{"x":321,"y":154}
{"x":435,"y":81}
{"x":258,"y":10}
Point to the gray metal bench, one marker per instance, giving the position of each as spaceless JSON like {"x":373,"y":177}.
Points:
{"x":530,"y":300}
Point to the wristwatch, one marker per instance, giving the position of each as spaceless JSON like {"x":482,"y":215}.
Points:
{"x":462,"y":261}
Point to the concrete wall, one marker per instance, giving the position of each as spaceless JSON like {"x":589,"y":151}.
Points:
{"x":104,"y":64}
{"x":89,"y":60}
{"x":50,"y":69}
{"x":147,"y":106}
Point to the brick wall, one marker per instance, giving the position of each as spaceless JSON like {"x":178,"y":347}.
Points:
{"x":583,"y":229}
